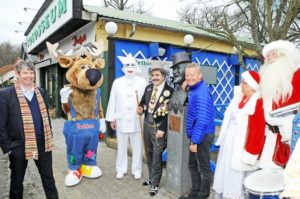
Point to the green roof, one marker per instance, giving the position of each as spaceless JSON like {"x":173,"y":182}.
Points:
{"x":149,"y":21}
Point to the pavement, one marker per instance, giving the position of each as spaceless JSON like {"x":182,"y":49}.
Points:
{"x":105,"y":187}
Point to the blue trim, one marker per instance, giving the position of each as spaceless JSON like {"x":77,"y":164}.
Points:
{"x":73,"y":112}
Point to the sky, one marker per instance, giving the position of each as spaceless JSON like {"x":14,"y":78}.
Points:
{"x":12,"y":12}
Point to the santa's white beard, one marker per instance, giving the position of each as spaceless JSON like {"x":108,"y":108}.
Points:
{"x":276,"y":80}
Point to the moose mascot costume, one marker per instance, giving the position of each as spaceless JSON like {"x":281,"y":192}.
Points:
{"x":81,"y":102}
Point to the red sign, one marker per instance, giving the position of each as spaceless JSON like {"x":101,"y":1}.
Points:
{"x":85,"y":126}
{"x":41,"y":56}
{"x":78,"y":40}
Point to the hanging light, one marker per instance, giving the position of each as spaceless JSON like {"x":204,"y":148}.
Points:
{"x":188,"y":39}
{"x":111,"y":28}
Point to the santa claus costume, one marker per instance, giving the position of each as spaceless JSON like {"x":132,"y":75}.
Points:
{"x":280,"y":86}
{"x":241,"y":140}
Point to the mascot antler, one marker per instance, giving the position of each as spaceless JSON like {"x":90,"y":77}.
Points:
{"x":95,"y":49}
{"x":55,"y":54}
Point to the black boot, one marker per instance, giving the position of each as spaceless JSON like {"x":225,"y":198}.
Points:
{"x":192,"y":195}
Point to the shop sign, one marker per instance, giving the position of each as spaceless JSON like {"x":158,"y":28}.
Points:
{"x":145,"y":67}
{"x":56,"y":15}
{"x":87,"y":34}
{"x":78,"y":39}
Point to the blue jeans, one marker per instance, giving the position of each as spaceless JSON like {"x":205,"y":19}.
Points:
{"x":82,"y":142}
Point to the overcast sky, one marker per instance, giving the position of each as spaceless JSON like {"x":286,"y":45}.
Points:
{"x":12,"y":12}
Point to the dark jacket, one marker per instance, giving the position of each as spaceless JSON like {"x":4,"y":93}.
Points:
{"x":11,"y":124}
{"x":159,"y":119}
{"x":200,"y":113}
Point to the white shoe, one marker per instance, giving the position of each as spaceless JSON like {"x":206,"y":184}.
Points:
{"x":120,"y":175}
{"x":137,"y":176}
{"x":73,"y":178}
{"x":91,"y":171}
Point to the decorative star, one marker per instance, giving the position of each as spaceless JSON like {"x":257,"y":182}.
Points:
{"x":72,"y":159}
{"x":89,"y":154}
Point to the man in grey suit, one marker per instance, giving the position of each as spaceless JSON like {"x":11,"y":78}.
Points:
{"x":154,"y":104}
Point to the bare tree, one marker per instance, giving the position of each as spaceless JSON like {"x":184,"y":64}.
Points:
{"x":140,"y":8}
{"x":8,"y":53}
{"x":190,"y":15}
{"x":117,"y":4}
{"x":253,"y":21}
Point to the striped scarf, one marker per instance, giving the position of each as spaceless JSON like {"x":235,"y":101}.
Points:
{"x":31,"y":151}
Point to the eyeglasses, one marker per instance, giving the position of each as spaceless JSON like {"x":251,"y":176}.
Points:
{"x":243,"y":82}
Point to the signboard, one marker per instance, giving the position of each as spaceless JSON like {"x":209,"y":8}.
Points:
{"x":145,"y":67}
{"x":210,"y":74}
{"x":55,"y":16}
{"x":174,"y":123}
{"x":82,"y":36}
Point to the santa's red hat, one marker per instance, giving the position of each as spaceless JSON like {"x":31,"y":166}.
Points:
{"x":252,"y":78}
{"x":279,"y":44}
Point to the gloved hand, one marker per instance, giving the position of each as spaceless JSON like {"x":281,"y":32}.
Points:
{"x":102,"y":125}
{"x":273,"y":121}
{"x":286,"y":127}
{"x":64,"y":94}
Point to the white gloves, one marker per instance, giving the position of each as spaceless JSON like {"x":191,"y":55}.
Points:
{"x":102,"y":125}
{"x":285,"y":125}
{"x":64,"y":94}
{"x":273,"y":121}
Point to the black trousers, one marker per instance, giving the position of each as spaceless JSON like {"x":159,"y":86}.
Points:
{"x":153,"y":151}
{"x":18,"y":165}
{"x":199,"y":166}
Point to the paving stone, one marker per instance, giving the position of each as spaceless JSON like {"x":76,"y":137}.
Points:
{"x":105,"y":187}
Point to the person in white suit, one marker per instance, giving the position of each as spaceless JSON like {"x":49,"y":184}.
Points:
{"x":123,"y":117}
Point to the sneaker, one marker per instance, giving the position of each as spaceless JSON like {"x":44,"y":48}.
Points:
{"x":73,"y":177}
{"x":190,"y":196}
{"x":120,"y":175}
{"x":137,"y":176}
{"x":153,"y":190}
{"x":146,"y":183}
{"x":90,"y":171}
